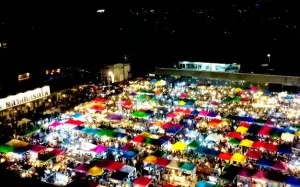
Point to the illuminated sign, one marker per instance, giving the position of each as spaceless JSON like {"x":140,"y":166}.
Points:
{"x":22,"y":98}
{"x":24,"y":76}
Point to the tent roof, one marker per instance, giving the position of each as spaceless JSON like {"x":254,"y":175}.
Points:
{"x":142,"y":181}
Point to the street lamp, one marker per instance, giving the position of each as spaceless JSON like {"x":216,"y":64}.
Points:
{"x":269,"y":56}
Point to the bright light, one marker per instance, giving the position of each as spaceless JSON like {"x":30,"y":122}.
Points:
{"x":268,"y":55}
{"x":101,"y":11}
{"x":110,"y":73}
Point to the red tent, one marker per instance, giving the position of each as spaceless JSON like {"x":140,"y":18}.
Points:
{"x":183,"y":96}
{"x":270,"y":147}
{"x":104,"y":163}
{"x":169,"y":185}
{"x":255,"y":155}
{"x":236,"y":135}
{"x":258,"y":145}
{"x":102,"y":100}
{"x":98,"y":108}
{"x":214,"y":103}
{"x":225,"y":156}
{"x":127,"y":104}
{"x":162,"y":162}
{"x":243,"y":124}
{"x":142,"y":181}
{"x":279,"y":166}
{"x":74,"y":122}
{"x":265,"y":131}
{"x":269,"y":122}
{"x":244,"y":100}
{"x":115,"y":166}
{"x":138,"y":139}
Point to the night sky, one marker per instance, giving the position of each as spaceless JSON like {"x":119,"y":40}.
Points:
{"x":40,"y":38}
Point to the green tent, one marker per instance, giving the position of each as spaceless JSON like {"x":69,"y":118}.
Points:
{"x":147,"y":140}
{"x":139,"y":114}
{"x":194,"y":144}
{"x":176,"y":99}
{"x":275,"y":134}
{"x":236,"y":99}
{"x":159,"y":153}
{"x":297,"y":126}
{"x":6,"y":148}
{"x":141,"y":97}
{"x":146,"y":91}
{"x":106,"y":133}
{"x":227,"y":100}
{"x":234,"y":141}
{"x":29,"y":132}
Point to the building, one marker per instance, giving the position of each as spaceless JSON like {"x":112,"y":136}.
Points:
{"x":207,"y":66}
{"x":115,"y":73}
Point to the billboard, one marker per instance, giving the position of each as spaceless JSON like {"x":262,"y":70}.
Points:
{"x":206,"y":66}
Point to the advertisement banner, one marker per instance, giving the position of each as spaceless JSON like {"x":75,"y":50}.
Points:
{"x":23,"y":98}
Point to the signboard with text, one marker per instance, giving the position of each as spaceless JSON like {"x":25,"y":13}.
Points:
{"x":23,"y":98}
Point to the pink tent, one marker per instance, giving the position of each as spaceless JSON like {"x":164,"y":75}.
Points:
{"x":55,"y":124}
{"x":127,"y":147}
{"x":279,"y":166}
{"x":261,"y":175}
{"x":83,"y":168}
{"x":167,"y":125}
{"x":203,"y":113}
{"x":269,"y":122}
{"x":171,"y":115}
{"x":245,"y":173}
{"x":37,"y":148}
{"x":99,"y":149}
{"x":253,"y":89}
{"x":183,"y":96}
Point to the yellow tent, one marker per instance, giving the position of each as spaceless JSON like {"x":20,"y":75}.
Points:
{"x":238,"y":89}
{"x":297,"y":133}
{"x":13,"y":142}
{"x":95,"y":171}
{"x":146,"y":134}
{"x":181,"y":103}
{"x":224,"y":122}
{"x":237,"y":157}
{"x":179,"y":146}
{"x":160,"y":83}
{"x":150,"y":159}
{"x":158,"y":124}
{"x":246,"y":143}
{"x":21,"y":144}
{"x":242,"y":129}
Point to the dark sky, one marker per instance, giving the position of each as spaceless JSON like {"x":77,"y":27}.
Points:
{"x":78,"y":36}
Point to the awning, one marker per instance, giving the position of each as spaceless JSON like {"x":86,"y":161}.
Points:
{"x":242,"y":129}
{"x":246,"y":143}
{"x":150,"y":159}
{"x":225,"y":156}
{"x":237,"y":157}
{"x":255,"y":155}
{"x":142,"y":182}
{"x":95,"y":171}
{"x":179,"y":146}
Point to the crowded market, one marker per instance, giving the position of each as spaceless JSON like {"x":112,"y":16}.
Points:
{"x":151,"y":132}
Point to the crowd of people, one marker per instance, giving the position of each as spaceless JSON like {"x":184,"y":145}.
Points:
{"x":152,"y":133}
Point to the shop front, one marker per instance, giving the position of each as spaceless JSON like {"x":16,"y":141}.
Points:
{"x":23,"y":101}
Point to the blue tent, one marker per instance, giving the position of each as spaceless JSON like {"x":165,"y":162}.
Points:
{"x":190,"y":103}
{"x":78,"y":128}
{"x":204,"y":184}
{"x":77,"y":115}
{"x":188,"y":167}
{"x":153,"y":81}
{"x":120,"y":135}
{"x":267,"y":92}
{"x":207,"y":151}
{"x":90,"y":131}
{"x":173,"y":130}
{"x":264,"y":163}
{"x":289,"y":130}
{"x":293,"y":181}
{"x":288,"y":97}
{"x":194,"y":112}
{"x":129,"y":155}
{"x":284,"y":149}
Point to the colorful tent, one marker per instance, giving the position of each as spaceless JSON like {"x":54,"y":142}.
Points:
{"x":260,"y":175}
{"x":188,"y":167}
{"x":179,"y":146}
{"x":162,"y":162}
{"x":203,"y":113}
{"x":98,"y":100}
{"x":242,"y":129}
{"x":98,"y":108}
{"x":74,"y":122}
{"x":139,"y":114}
{"x":150,"y":159}
{"x":279,"y":166}
{"x":246,"y":143}
{"x":90,"y":131}
{"x":225,"y":156}
{"x":237,"y":157}
{"x":114,"y":117}
{"x":236,"y":135}
{"x":95,"y":171}
{"x":258,"y":145}
{"x":142,"y":182}
{"x":115,"y":166}
{"x":256,"y":155}
{"x":6,"y":148}
{"x":234,"y":141}
{"x":194,"y":144}
{"x":99,"y":149}
{"x":264,"y":163}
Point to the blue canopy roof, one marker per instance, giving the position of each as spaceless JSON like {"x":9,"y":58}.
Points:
{"x":289,"y":130}
{"x":129,"y":155}
{"x":78,"y":128}
{"x":267,"y":92}
{"x":204,"y":184}
{"x":77,"y":115}
{"x":173,"y":130}
{"x":264,"y":163}
{"x":284,"y":149}
{"x":207,"y":151}
{"x":120,"y":135}
{"x":189,"y":167}
{"x":293,"y":181}
{"x":90,"y":131}
{"x":194,"y":112}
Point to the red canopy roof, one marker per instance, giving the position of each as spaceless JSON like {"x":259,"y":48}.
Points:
{"x":102,"y":100}
{"x":104,"y":163}
{"x":127,"y":104}
{"x":162,"y":162}
{"x":258,"y":145}
{"x":236,"y":135}
{"x":270,"y":147}
{"x":279,"y":166}
{"x":115,"y":166}
{"x":225,"y":156}
{"x":98,"y":108}
{"x":74,"y":122}
{"x":253,"y":155}
{"x":138,"y":139}
{"x":244,"y":124}
{"x":265,"y":131}
{"x":142,"y":182}
{"x":57,"y":152}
